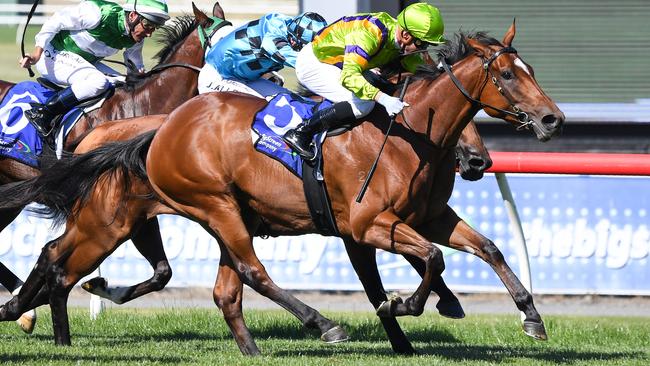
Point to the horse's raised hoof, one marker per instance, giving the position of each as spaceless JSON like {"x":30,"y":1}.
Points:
{"x":27,"y":321}
{"x":535,"y":330}
{"x":450,"y":309}
{"x":95,"y":283}
{"x":387,"y":308}
{"x":335,"y":335}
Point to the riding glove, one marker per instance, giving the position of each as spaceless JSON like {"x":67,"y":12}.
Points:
{"x":393,"y":105}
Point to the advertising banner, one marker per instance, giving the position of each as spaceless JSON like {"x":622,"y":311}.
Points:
{"x":584,"y":234}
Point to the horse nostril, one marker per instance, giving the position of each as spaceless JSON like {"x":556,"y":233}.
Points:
{"x":476,"y":162}
{"x":551,"y":121}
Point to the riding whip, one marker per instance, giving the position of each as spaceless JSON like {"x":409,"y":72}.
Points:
{"x":22,"y":41}
{"x":374,"y":165}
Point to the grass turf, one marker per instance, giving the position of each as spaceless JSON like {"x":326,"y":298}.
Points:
{"x":184,"y":336}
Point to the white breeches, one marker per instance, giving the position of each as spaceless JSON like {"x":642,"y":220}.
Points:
{"x":69,"y":69}
{"x":324,"y":80}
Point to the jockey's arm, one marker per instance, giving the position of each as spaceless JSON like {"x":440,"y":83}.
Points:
{"x":134,"y":54}
{"x":359,"y":47}
{"x":85,"y":15}
{"x":276,"y":45}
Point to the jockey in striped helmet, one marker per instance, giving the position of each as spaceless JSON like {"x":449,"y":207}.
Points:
{"x":74,"y":40}
{"x":332,"y":65}
{"x":238,"y":61}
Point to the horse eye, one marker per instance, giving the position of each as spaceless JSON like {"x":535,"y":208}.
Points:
{"x":507,"y":75}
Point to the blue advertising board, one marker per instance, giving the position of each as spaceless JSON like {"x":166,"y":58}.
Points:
{"x":584,"y":234}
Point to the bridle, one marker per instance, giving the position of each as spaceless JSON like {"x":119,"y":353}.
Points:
{"x":518,"y":113}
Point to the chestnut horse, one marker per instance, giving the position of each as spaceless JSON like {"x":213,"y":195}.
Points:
{"x":158,"y":92}
{"x":223,"y":183}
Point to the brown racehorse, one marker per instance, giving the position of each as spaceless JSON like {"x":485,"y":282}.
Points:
{"x":173,"y":82}
{"x":223,"y":183}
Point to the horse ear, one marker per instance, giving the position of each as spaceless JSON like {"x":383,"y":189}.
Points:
{"x":510,"y":34}
{"x":201,"y":18}
{"x":217,"y":11}
{"x":480,"y":49}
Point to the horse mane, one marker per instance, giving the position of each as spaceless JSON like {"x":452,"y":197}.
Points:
{"x":170,"y":36}
{"x":453,"y":51}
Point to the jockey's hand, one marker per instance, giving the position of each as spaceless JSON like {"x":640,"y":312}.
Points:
{"x":393,"y":105}
{"x":29,"y":60}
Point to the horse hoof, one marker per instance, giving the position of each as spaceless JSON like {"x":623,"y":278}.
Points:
{"x":335,"y":335}
{"x":450,"y":309}
{"x":387,"y":308}
{"x":535,"y":330}
{"x":95,"y":283}
{"x":27,"y":321}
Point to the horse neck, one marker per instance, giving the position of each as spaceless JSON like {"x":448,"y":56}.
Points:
{"x":438,"y":108}
{"x":161,"y":93}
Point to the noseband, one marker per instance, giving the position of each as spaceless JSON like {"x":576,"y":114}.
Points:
{"x":518,"y":113}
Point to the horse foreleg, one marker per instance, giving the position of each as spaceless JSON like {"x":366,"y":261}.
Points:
{"x":390,"y":233}
{"x":33,"y":292}
{"x":448,"y":305}
{"x":451,"y":231}
{"x":148,"y":242}
{"x":364,"y":262}
{"x":58,"y":299}
{"x":227,"y":295}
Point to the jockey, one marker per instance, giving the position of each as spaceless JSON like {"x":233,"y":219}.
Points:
{"x":73,"y":42}
{"x":238,"y":61}
{"x":332,"y":65}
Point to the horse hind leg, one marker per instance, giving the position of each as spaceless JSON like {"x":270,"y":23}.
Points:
{"x":227,"y":226}
{"x":148,"y":242}
{"x":451,"y":231}
{"x":364,"y":262}
{"x":227,"y":295}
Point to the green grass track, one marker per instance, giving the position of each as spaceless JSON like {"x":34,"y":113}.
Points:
{"x":179,"y":337}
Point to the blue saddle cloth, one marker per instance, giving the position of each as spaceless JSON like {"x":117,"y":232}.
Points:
{"x":18,"y":138}
{"x":282,"y":113}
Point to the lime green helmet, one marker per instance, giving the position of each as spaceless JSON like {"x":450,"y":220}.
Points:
{"x":423,"y":21}
{"x":154,"y":11}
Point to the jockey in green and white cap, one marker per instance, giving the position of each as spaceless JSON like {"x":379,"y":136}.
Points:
{"x":154,"y":11}
{"x":74,"y":41}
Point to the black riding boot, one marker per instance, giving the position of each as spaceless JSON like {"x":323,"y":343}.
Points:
{"x":41,"y":116}
{"x":299,"y":139}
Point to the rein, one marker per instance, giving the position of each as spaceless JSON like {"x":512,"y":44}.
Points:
{"x":518,"y":113}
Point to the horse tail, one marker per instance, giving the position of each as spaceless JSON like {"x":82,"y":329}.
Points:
{"x":66,"y":185}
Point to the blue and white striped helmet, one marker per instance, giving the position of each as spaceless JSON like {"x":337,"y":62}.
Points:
{"x":304,"y":27}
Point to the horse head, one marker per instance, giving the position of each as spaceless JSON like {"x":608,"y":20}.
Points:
{"x":510,"y":86}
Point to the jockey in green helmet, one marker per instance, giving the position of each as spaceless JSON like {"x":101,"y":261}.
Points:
{"x":332,"y":65}
{"x":74,"y":40}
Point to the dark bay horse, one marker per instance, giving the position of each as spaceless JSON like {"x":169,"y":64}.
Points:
{"x":171,"y":82}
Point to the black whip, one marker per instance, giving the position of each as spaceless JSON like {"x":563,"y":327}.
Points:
{"x":362,"y":192}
